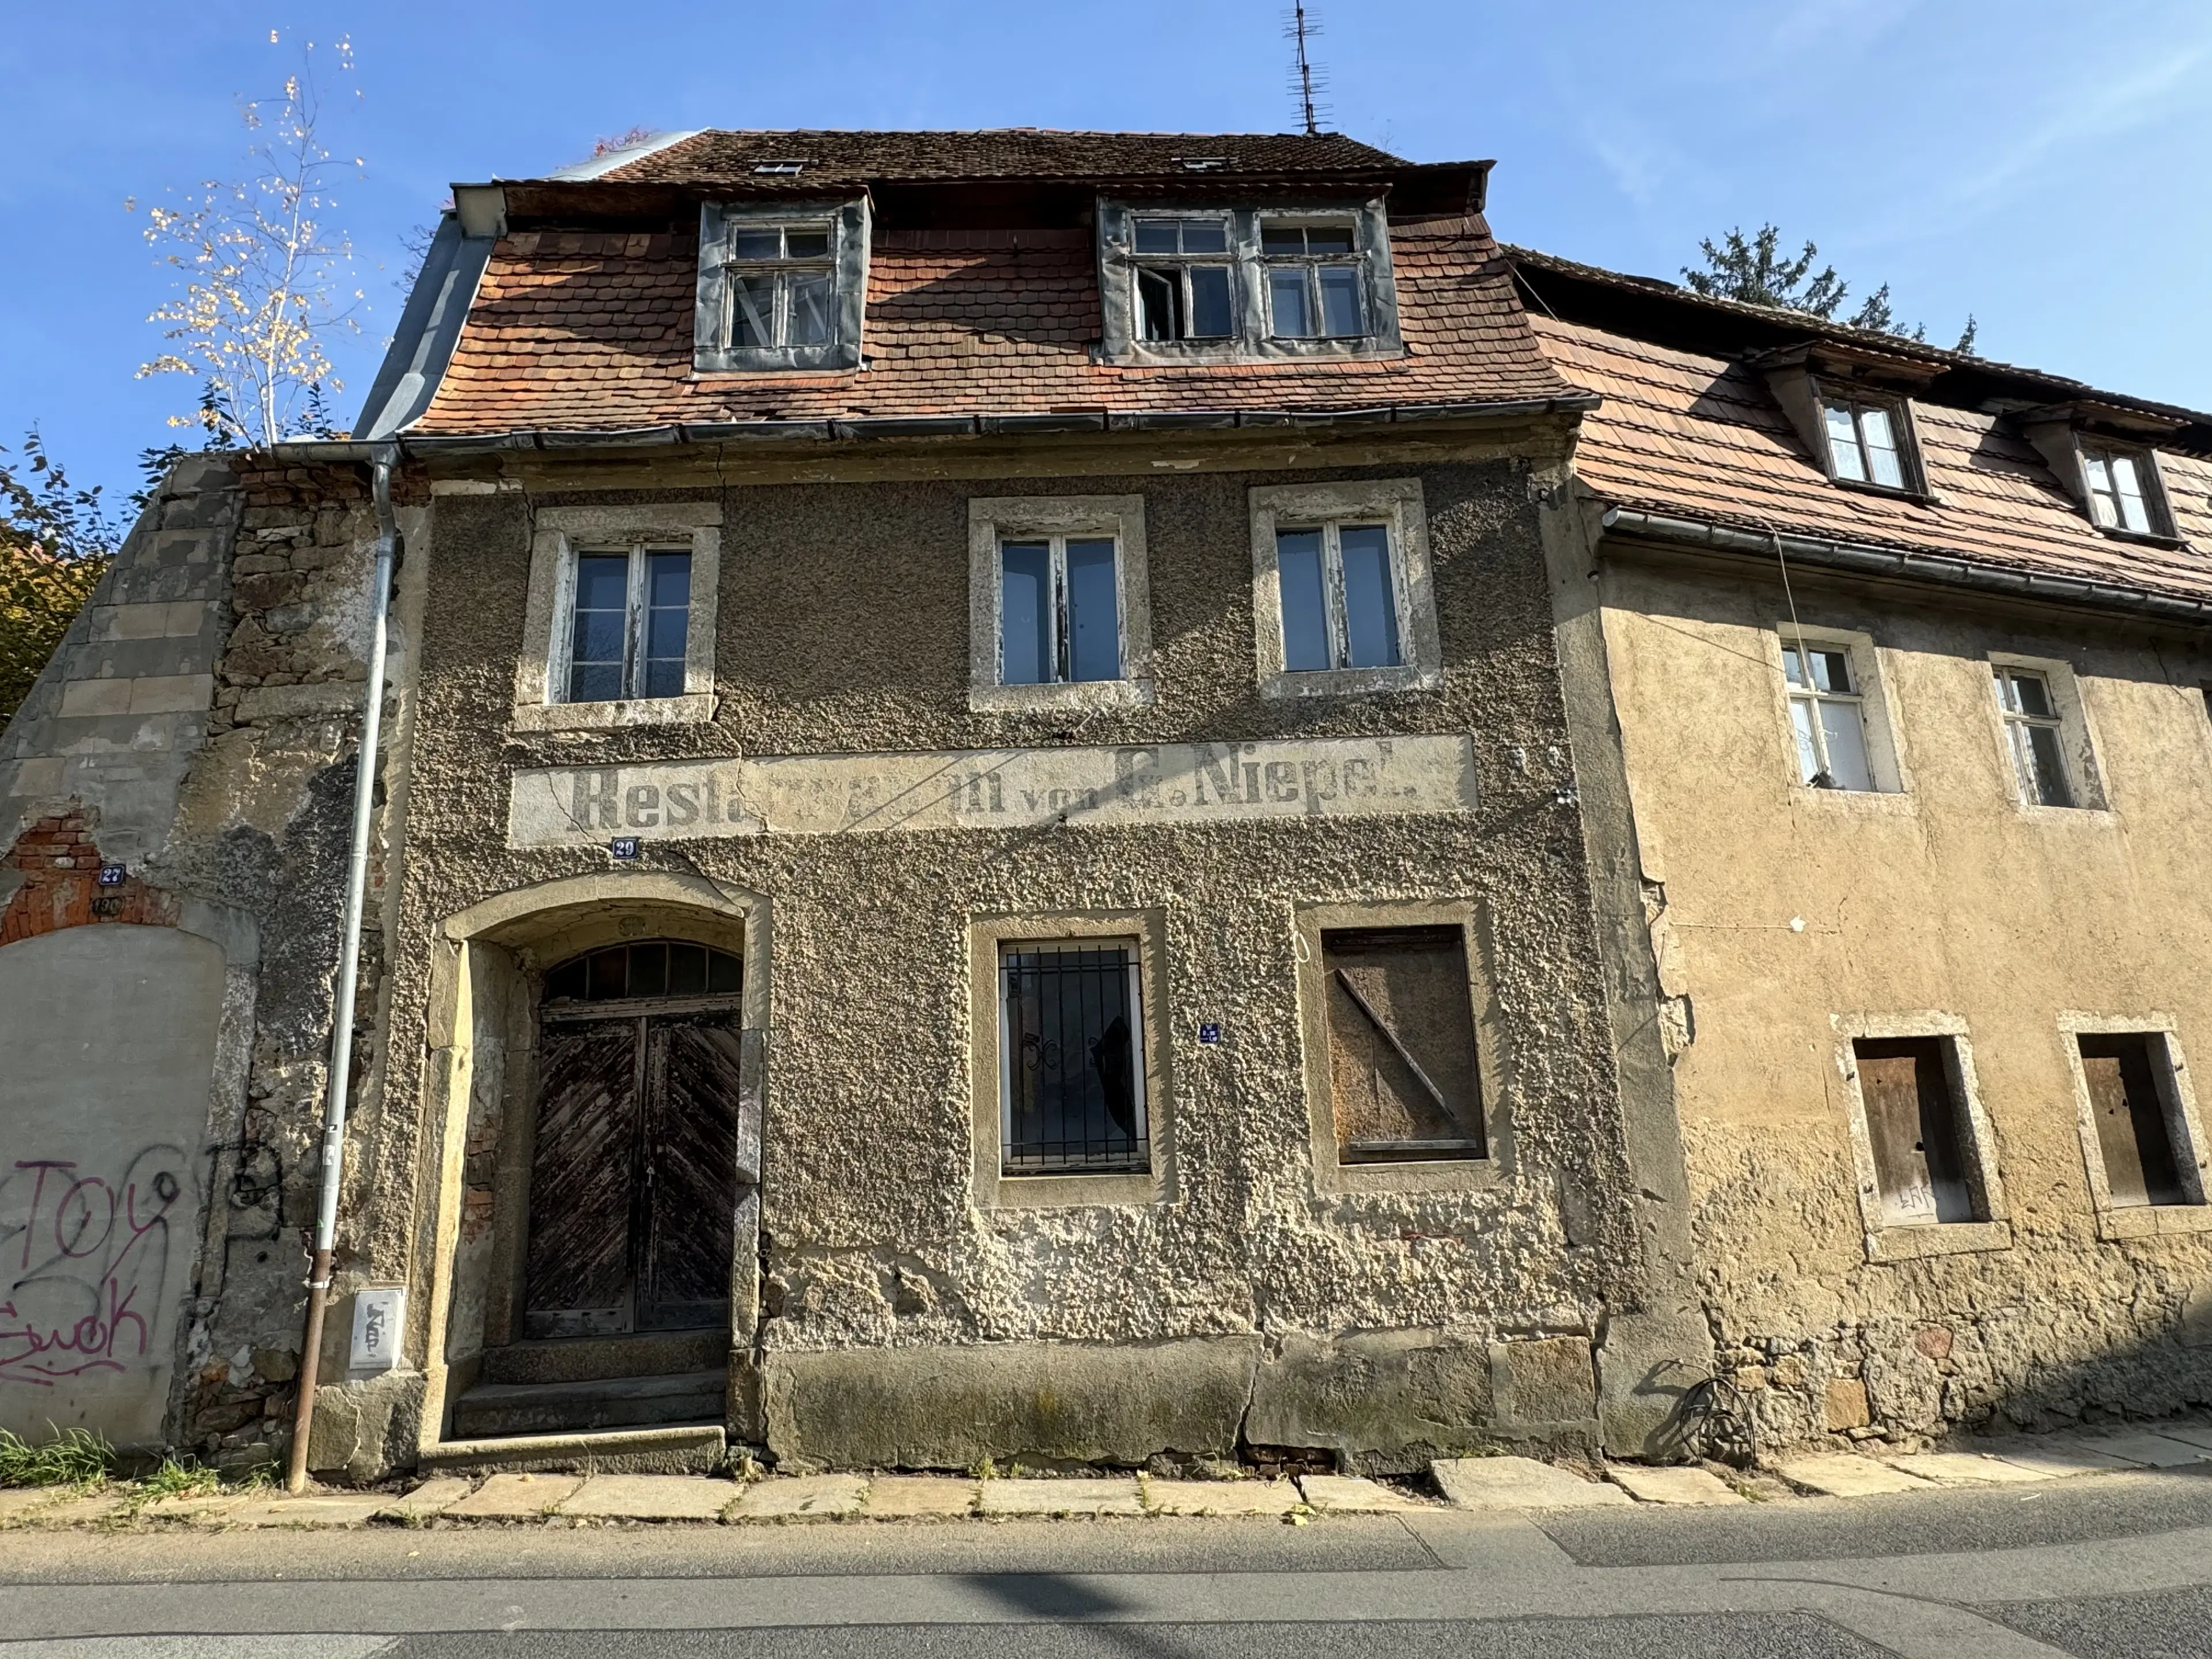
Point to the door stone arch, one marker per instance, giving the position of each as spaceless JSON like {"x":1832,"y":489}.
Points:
{"x":487,"y":1045}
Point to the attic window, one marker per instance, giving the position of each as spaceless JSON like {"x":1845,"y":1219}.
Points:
{"x":785,"y":169}
{"x":2121,"y":496}
{"x":1862,"y":446}
{"x":780,"y":286}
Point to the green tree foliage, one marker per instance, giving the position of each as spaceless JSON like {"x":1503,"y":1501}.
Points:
{"x":1753,"y":272}
{"x":55,"y":542}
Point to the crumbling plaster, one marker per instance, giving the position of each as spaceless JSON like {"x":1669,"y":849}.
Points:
{"x":1785,"y":910}
{"x":844,"y":627}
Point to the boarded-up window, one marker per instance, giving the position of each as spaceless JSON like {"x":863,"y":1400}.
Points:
{"x":2135,"y":1133}
{"x":1918,"y":1131}
{"x":1403,"y":1080}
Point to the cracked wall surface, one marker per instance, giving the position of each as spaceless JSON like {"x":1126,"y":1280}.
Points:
{"x":1780,"y":914}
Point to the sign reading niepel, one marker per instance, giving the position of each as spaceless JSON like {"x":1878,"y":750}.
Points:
{"x":992,"y":789}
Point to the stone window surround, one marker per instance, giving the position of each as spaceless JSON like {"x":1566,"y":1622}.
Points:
{"x":1398,"y":502}
{"x":2191,"y":1152}
{"x":987,"y":933}
{"x":849,"y":223}
{"x":1893,"y":777}
{"x":560,"y":533}
{"x":2077,"y":733}
{"x":994,"y":519}
{"x":1117,"y":284}
{"x":1885,"y":1243}
{"x":1308,"y":923}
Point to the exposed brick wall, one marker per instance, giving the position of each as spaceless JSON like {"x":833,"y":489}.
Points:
{"x":59,"y":857}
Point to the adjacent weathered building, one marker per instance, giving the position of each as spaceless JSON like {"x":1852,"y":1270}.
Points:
{"x":1096,"y":798}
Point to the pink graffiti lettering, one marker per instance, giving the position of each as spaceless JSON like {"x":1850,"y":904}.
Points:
{"x":85,"y":1294}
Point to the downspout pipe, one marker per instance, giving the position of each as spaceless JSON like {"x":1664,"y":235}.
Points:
{"x":357,"y":899}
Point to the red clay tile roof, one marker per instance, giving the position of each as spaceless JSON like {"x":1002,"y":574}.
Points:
{"x":592,"y":330}
{"x":719,"y":157}
{"x":1702,"y":437}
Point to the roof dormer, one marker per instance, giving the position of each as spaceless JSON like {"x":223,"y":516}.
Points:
{"x":1852,"y":408}
{"x":2104,"y":457}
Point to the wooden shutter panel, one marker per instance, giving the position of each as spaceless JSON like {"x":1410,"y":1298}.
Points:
{"x":1912,"y":1122}
{"x":1404,"y":1080}
{"x":2132,"y":1134}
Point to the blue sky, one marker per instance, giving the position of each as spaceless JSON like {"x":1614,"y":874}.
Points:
{"x":2040,"y":163}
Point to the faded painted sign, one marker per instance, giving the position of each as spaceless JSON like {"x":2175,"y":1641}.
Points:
{"x":993,"y":789}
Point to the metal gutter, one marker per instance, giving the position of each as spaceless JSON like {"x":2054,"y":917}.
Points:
{"x":423,"y":446}
{"x":1866,"y":559}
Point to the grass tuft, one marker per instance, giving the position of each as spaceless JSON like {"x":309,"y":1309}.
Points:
{"x":74,"y":1457}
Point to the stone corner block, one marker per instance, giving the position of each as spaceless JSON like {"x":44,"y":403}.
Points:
{"x":1386,"y":1402}
{"x":1646,"y":1368}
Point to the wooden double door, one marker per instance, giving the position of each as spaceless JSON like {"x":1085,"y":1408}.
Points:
{"x":638,"y":1171}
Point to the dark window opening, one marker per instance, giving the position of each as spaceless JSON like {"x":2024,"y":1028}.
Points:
{"x":2134,"y":1129}
{"x":1071,"y":1060}
{"x":1404,"y":1080}
{"x":655,"y":968}
{"x":632,"y":616}
{"x":1183,"y":294}
{"x":1915,"y":1124}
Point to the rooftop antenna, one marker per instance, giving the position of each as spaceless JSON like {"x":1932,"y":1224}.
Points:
{"x":1300,"y":26}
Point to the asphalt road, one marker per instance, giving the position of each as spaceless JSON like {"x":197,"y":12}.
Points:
{"x":2116,"y":1567}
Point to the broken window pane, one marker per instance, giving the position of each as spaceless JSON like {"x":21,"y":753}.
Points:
{"x":1913,"y":1126}
{"x":807,"y":244}
{"x":1370,"y":612}
{"x":1072,"y":1058}
{"x":1211,"y":317}
{"x":1340,"y":301}
{"x":2135,"y":1135}
{"x":1305,"y":605}
{"x":1280,"y":239}
{"x":1288,"y":309}
{"x":753,"y":304}
{"x":1094,"y":623}
{"x":812,"y":296}
{"x":1328,"y":239}
{"x":1027,"y":655}
{"x":1403,"y":1078}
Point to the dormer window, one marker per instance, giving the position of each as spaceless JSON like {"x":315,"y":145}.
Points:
{"x":1215,"y":283}
{"x":1312,"y":282}
{"x":1862,"y":446}
{"x":2117,"y":497}
{"x":1184,"y":278}
{"x":781,"y":287}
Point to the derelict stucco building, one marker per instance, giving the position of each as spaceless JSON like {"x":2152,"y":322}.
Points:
{"x":1035,"y":802}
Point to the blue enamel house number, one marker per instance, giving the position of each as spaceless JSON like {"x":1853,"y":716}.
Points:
{"x":112,"y":875}
{"x":1209,"y":1033}
{"x":623,"y":847}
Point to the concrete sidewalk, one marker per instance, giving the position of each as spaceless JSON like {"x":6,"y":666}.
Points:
{"x":1480,"y":1484}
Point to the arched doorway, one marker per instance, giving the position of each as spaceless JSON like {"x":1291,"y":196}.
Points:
{"x":634,"y":1170}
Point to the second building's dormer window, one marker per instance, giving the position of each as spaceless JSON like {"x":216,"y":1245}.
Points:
{"x":2118,"y":498}
{"x":1862,"y":446}
{"x":1210,"y":283}
{"x":781,"y":287}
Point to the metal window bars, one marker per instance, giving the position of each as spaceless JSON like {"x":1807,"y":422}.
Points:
{"x":1071,"y":1060}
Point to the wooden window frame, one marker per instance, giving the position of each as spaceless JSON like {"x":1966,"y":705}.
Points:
{"x":849,"y":227}
{"x":1395,"y":503}
{"x":1310,"y":264}
{"x":994,"y":520}
{"x":541,"y":679}
{"x":2192,"y":1153}
{"x":1887,"y":1241}
{"x":1178,"y":265}
{"x":1331,"y":1174}
{"x":1857,"y":401}
{"x":2088,"y":448}
{"x":561,"y":672}
{"x":2077,"y":745}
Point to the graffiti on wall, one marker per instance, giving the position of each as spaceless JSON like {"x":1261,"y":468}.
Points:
{"x":83,"y":1255}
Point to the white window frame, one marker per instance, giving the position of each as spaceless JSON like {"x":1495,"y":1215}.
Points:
{"x":560,"y":667}
{"x":2094,"y":451}
{"x":1180,"y":264}
{"x":2192,"y":1156}
{"x":2076,"y":745}
{"x":993,"y":520}
{"x":541,"y":679}
{"x":1887,"y":1240}
{"x":1310,"y":264}
{"x":1900,"y":432}
{"x":1395,"y":503}
{"x":1884,"y":745}
{"x":847,"y":223}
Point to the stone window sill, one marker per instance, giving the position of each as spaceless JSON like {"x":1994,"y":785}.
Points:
{"x":2154,"y":1221}
{"x":1075,"y":696}
{"x":1940,"y":1238}
{"x":694,"y":709}
{"x":1059,"y":1192}
{"x":1879,"y":803}
{"x":1349,"y":682}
